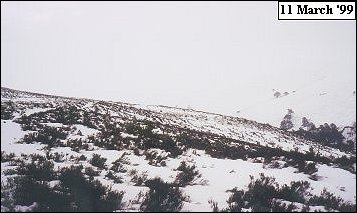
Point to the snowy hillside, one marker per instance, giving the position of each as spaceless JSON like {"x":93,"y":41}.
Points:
{"x":205,"y":161}
{"x":324,"y":101}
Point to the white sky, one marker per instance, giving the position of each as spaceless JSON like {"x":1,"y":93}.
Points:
{"x":212,"y":56}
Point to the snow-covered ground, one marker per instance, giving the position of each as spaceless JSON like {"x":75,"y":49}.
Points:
{"x":11,"y":133}
{"x":218,"y":175}
{"x":235,"y":128}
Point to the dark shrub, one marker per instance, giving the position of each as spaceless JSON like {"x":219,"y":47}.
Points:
{"x":118,"y":165}
{"x":265,"y":194}
{"x":38,"y":169}
{"x":98,"y":161}
{"x":77,"y":144}
{"x":154,"y":158}
{"x":7,"y":110}
{"x":82,"y":158}
{"x":332,"y":202}
{"x":187,"y":174}
{"x":91,"y":172}
{"x":116,"y":179}
{"x":88,"y":195}
{"x":138,"y":179}
{"x":47,"y":135}
{"x":7,"y":157}
{"x":162,"y":197}
{"x":28,"y":191}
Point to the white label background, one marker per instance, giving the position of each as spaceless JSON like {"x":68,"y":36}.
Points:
{"x":336,"y":11}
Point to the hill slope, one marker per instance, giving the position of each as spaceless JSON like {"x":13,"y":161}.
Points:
{"x":140,"y":143}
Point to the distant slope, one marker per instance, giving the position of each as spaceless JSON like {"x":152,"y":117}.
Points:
{"x":323,"y":101}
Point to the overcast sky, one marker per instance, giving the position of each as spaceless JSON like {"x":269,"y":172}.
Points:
{"x":213,"y":56}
